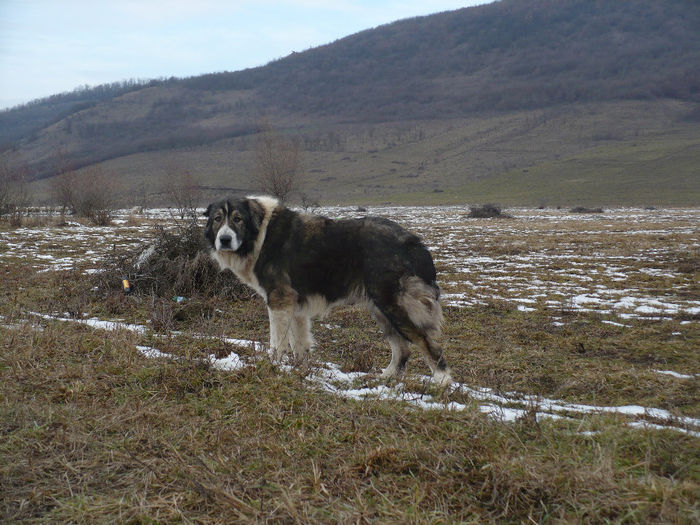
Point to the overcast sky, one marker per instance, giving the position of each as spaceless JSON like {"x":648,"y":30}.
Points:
{"x":52,"y":46}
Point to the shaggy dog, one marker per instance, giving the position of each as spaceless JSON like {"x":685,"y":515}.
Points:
{"x":302,"y":265}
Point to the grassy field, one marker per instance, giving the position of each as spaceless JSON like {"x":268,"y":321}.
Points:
{"x":573,"y":340}
{"x":648,"y":171}
{"x":614,"y":154}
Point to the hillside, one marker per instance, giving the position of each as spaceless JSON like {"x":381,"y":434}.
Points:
{"x":503,"y":56}
{"x":430,"y":105}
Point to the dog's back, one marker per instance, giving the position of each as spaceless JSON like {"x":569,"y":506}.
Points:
{"x":373,"y":260}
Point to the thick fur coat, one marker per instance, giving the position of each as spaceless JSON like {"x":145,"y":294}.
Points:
{"x":302,"y":265}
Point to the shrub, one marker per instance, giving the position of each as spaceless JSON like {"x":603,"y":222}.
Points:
{"x":174,"y":263}
{"x":14,"y":195}
{"x":182,"y":190}
{"x":581,"y":209}
{"x":91,"y":194}
{"x":278,"y":164}
{"x":486,"y":211}
{"x":94,"y":197}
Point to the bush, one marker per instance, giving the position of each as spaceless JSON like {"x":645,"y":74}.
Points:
{"x":14,"y":195}
{"x":175,"y":263}
{"x":94,"y":196}
{"x":278,"y":164}
{"x":581,"y":209}
{"x":486,"y":211}
{"x":91,"y":194}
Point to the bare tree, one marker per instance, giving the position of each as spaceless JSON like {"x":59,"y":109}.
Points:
{"x":278,"y":164}
{"x":94,"y":195}
{"x":89,"y":193}
{"x":308,"y":202}
{"x":182,"y":190}
{"x":14,"y":193}
{"x":5,"y":185}
{"x":64,"y":182}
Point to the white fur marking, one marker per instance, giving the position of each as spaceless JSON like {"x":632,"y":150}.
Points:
{"x":399,"y":348}
{"x":442,"y":377}
{"x":269,"y":203}
{"x":280,"y":330}
{"x":301,"y":340}
{"x":226,"y":230}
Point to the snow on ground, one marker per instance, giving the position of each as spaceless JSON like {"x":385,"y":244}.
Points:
{"x":589,"y":263}
{"x":570,"y":265}
{"x":504,"y":406}
{"x":611,"y":264}
{"x":676,"y":374}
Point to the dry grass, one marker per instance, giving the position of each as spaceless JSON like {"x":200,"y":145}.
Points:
{"x":92,"y":431}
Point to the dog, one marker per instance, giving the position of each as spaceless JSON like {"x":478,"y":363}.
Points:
{"x":303,"y":265}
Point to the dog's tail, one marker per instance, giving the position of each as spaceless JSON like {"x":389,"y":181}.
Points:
{"x":420,"y":301}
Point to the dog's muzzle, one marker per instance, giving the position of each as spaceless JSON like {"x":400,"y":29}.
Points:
{"x":225,"y":242}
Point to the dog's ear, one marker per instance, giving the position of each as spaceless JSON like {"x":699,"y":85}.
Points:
{"x":208,"y":210}
{"x":257,"y":212}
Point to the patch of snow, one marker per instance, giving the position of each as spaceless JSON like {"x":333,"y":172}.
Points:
{"x":502,"y":413}
{"x":95,"y":323}
{"x":657,"y":272}
{"x":675,"y":374}
{"x":153,"y":353}
{"x":231,"y":362}
{"x":614,"y":323}
{"x":244,"y":343}
{"x":647,"y":425}
{"x":523,"y":308}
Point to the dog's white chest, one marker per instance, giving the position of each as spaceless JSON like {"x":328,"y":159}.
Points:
{"x":243,"y":268}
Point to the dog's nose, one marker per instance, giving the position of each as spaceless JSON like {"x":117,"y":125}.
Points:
{"x":225,"y":241}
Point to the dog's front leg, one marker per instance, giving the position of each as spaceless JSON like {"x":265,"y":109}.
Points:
{"x":280,"y":310}
{"x":280,"y":329}
{"x":302,"y":339}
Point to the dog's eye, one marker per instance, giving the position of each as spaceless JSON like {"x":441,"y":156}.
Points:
{"x":236,"y":219}
{"x":217,"y":218}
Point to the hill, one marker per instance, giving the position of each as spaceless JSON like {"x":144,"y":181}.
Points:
{"x":446,"y":105}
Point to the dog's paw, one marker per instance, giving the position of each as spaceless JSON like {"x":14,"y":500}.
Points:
{"x":442,"y":378}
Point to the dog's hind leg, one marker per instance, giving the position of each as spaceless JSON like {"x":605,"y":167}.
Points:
{"x":302,"y":339}
{"x":419,"y":301}
{"x":416,"y":316}
{"x":432,"y":354}
{"x":399,"y":345}
{"x":399,"y":355}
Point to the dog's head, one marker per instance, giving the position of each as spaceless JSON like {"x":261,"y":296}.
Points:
{"x":233,"y":225}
